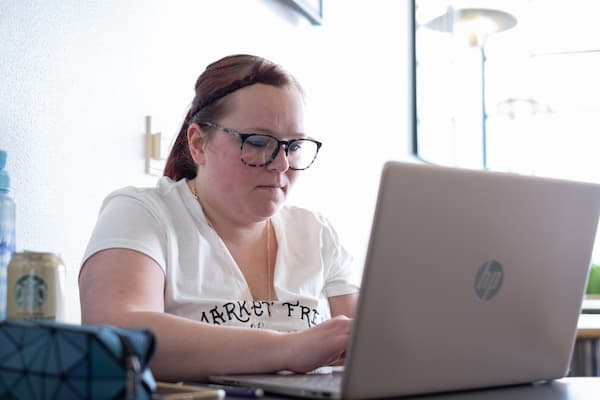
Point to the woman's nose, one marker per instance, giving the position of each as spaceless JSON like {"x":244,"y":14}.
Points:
{"x":280,"y":162}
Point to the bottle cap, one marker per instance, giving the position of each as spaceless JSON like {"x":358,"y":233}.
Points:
{"x":4,"y":178}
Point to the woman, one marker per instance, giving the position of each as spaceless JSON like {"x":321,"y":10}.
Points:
{"x":211,"y":253}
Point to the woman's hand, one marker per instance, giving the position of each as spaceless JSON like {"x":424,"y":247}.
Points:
{"x":324,"y":344}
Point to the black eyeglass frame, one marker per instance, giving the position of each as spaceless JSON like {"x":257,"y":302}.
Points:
{"x":286,"y":143}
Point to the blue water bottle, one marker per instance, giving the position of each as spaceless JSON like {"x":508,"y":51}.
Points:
{"x":7,"y":230}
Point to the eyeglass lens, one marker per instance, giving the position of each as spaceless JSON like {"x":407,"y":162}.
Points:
{"x":259,"y":150}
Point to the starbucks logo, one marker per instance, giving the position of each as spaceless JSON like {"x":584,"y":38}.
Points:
{"x":30,"y":292}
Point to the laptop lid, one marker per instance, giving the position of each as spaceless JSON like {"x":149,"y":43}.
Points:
{"x":472,"y":279}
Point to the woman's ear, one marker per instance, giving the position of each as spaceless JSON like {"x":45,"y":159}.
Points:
{"x":197,"y":139}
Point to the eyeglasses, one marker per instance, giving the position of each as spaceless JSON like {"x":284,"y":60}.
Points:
{"x":258,"y":150}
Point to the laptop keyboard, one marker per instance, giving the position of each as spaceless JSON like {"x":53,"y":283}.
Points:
{"x":322,"y":382}
{"x":318,"y":383}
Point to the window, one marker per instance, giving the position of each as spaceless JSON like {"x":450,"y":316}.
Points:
{"x":509,"y":86}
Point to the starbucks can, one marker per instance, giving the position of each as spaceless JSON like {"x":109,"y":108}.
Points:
{"x":35,"y":284}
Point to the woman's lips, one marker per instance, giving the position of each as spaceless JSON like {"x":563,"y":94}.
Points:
{"x":271,"y":187}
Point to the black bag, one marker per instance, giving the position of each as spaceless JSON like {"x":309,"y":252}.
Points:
{"x":53,"y":360}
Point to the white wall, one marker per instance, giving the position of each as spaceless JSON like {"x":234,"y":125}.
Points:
{"x":78,"y":77}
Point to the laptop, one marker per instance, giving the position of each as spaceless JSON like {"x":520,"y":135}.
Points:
{"x":472,"y":279}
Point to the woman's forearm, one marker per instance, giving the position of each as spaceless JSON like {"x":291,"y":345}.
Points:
{"x":191,"y":350}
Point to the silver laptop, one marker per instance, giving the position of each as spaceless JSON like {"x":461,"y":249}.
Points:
{"x":472,"y":279}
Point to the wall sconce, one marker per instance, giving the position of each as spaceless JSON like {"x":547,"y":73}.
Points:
{"x":153,"y":150}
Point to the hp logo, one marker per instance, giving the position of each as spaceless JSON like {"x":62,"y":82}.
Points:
{"x":488,"y":280}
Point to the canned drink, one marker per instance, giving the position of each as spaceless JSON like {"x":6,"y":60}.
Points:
{"x":35,"y":284}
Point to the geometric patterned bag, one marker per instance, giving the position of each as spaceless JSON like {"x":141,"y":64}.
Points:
{"x":44,"y":360}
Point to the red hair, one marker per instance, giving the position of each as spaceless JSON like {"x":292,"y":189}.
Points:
{"x":218,"y":80}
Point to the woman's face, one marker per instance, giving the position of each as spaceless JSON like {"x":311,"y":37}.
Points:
{"x":250,"y":194}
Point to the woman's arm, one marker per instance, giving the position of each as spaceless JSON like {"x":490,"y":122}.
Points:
{"x":343,"y":305}
{"x":126,"y":288}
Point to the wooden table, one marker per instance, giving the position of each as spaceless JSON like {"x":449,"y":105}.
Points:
{"x":588,"y":326}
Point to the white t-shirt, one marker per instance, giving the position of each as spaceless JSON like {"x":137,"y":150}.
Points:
{"x":203,"y":281}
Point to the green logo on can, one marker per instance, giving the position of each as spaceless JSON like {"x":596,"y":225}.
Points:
{"x":30,"y":292}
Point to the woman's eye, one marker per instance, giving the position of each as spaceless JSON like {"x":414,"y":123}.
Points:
{"x":258,"y":141}
{"x":296,"y":146}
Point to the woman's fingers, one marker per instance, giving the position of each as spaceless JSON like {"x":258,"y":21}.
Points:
{"x":324,"y":344}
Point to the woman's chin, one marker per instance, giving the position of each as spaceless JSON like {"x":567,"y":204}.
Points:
{"x":269,"y":209}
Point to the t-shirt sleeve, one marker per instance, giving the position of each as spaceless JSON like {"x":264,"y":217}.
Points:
{"x":341,"y":274}
{"x":126,"y":222}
